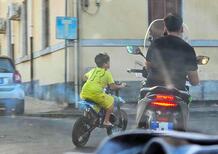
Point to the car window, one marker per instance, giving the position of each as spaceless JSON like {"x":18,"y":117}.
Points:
{"x":6,"y":66}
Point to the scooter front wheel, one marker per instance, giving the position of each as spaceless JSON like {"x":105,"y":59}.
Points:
{"x":120,"y":124}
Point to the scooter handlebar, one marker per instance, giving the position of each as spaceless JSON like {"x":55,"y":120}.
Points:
{"x":142,"y":71}
{"x":134,"y":70}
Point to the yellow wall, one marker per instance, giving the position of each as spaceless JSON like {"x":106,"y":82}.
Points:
{"x":56,"y":9}
{"x":49,"y":69}
{"x":115,"y":19}
{"x":3,"y":44}
{"x":3,"y":9}
{"x":209,"y":71}
{"x":36,"y":18}
{"x":17,"y":38}
{"x":24,"y":70}
{"x":15,"y":29}
{"x":201,"y":17}
{"x":120,"y":61}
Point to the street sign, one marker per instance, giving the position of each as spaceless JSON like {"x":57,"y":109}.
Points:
{"x":66,"y":28}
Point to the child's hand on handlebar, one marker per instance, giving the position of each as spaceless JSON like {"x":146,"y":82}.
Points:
{"x":123,"y":84}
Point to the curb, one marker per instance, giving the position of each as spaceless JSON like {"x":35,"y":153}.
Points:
{"x":52,"y":115}
{"x":195,"y":107}
{"x":56,"y":114}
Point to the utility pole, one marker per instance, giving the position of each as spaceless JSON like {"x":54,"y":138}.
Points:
{"x":76,"y":55}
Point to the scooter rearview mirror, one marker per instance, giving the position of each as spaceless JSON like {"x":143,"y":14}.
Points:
{"x":134,"y":50}
{"x":202,"y":60}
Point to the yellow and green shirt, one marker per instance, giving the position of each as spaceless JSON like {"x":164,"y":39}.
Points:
{"x":98,"y":79}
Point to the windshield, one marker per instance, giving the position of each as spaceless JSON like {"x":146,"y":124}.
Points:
{"x":57,"y":57}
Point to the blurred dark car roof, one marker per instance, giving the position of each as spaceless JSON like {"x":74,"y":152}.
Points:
{"x":159,"y":142}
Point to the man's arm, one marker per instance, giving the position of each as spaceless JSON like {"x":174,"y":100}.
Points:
{"x":148,"y":65}
{"x":193,"y":77}
{"x":192,"y":67}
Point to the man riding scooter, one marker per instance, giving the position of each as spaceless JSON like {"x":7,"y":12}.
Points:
{"x":170,"y":60}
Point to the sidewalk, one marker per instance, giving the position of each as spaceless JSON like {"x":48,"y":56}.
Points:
{"x":41,"y":108}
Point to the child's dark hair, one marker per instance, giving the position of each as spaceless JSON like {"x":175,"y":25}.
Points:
{"x":101,"y":59}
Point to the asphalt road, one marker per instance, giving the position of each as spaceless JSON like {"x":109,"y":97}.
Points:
{"x":34,"y":135}
{"x":29,"y":135}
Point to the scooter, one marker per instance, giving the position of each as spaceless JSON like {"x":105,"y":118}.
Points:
{"x":93,"y":117}
{"x":161,"y":108}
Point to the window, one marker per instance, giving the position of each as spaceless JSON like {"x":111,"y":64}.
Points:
{"x":158,"y":9}
{"x":45,"y":23}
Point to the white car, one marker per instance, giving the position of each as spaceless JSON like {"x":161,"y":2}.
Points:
{"x":11,"y":91}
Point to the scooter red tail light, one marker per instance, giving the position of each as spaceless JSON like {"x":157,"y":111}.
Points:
{"x":165,"y":97}
{"x":163,"y":104}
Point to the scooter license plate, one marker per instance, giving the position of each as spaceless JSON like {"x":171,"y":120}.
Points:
{"x":156,"y":125}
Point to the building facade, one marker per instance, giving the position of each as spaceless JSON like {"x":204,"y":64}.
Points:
{"x":29,"y":37}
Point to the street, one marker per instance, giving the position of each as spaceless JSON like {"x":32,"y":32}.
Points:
{"x":35,"y":135}
{"x":25,"y":135}
{"x":204,"y":121}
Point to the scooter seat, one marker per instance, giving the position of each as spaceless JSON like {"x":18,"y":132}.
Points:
{"x":90,"y":101}
{"x":83,"y":104}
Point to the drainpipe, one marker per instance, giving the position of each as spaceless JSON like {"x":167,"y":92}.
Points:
{"x":24,"y":28}
{"x":8,"y":37}
{"x":65,"y":57}
{"x":76,"y":55}
{"x":12,"y":41}
{"x":31,"y":48}
{"x":12,"y":51}
{"x":8,"y":32}
{"x":31,"y":67}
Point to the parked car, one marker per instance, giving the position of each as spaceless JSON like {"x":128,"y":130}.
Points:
{"x":11,"y":91}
